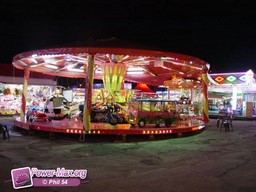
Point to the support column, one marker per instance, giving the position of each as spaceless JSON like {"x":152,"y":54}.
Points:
{"x":24,"y":95}
{"x":205,"y":95}
{"x":234,"y":99}
{"x":88,"y":94}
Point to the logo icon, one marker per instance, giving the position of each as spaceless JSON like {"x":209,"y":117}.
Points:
{"x":21,"y":178}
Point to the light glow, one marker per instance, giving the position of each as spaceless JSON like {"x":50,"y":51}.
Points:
{"x":51,"y":66}
{"x":135,"y":69}
{"x":135,"y":72}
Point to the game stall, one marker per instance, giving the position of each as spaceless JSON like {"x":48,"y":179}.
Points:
{"x":234,"y":92}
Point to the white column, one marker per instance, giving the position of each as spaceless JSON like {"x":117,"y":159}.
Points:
{"x":234,"y":98}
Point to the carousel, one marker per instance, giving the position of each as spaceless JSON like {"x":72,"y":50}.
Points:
{"x":115,"y":109}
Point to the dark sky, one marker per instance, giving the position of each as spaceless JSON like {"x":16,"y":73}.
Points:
{"x":222,"y":33}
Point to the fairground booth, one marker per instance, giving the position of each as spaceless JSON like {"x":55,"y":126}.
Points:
{"x":117,"y":108}
{"x":233,"y":91}
{"x":11,"y":84}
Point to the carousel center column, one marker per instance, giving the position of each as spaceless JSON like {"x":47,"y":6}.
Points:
{"x":24,"y":95}
{"x":205,"y":95}
{"x":88,"y":94}
{"x":113,"y":76}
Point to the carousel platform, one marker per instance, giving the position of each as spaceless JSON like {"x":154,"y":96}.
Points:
{"x":74,"y":126}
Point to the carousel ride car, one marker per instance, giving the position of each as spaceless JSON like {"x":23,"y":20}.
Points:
{"x":57,"y":108}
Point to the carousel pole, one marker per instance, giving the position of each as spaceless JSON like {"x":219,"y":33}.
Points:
{"x":205,"y":95}
{"x":88,"y":94}
{"x":24,"y":95}
{"x":191,"y":94}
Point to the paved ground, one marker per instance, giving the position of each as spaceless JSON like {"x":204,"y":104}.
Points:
{"x":211,"y":161}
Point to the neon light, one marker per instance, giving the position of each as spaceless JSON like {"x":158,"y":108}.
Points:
{"x":243,"y":78}
{"x":231,"y":78}
{"x":219,"y":79}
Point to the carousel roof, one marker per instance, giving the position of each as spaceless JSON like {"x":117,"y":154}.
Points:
{"x":143,"y":65}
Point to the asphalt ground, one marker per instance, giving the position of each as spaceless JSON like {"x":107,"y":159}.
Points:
{"x":208,"y":161}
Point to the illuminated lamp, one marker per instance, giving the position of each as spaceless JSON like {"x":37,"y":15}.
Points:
{"x":135,"y":69}
{"x":134,"y":72}
{"x":231,"y":78}
{"x":51,"y":66}
{"x":219,"y":79}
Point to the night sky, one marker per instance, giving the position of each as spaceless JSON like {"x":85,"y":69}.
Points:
{"x":223,"y":33}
